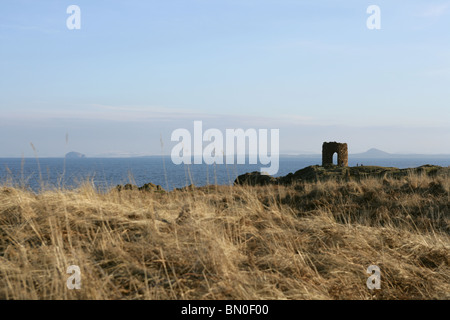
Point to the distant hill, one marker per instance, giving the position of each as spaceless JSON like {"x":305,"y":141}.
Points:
{"x":373,"y":153}
{"x":376,"y":153}
{"x":75,"y":155}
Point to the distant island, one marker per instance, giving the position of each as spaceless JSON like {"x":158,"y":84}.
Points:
{"x":75,"y":155}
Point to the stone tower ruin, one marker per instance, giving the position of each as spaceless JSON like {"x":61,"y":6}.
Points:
{"x":329,"y":148}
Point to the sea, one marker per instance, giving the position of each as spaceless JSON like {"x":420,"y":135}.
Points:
{"x":38,"y":174}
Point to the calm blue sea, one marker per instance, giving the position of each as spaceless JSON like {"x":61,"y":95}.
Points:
{"x":108,"y":172}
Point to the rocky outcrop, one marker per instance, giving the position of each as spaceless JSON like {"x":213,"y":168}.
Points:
{"x":330,"y":172}
{"x":149,"y":187}
{"x":255,"y":178}
{"x":128,"y":186}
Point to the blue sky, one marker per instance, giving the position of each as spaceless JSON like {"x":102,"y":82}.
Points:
{"x":137,"y":70}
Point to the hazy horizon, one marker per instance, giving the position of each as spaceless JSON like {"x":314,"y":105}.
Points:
{"x":300,"y":154}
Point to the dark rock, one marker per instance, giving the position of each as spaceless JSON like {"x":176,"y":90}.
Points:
{"x":148,"y":187}
{"x":151,"y":187}
{"x":255,"y":178}
{"x":128,"y":186}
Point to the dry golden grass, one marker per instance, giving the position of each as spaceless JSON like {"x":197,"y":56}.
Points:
{"x":306,"y":241}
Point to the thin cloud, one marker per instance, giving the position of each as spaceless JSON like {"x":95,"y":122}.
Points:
{"x":157,"y":109}
{"x":436,"y":11}
{"x":110,"y":113}
{"x":131,"y":114}
{"x":144,"y":113}
{"x":28,"y":28}
{"x":437,"y":72}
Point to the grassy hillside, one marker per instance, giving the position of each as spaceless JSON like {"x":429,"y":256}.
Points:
{"x":308,"y":240}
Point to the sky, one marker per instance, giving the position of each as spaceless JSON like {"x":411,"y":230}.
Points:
{"x":137,"y":70}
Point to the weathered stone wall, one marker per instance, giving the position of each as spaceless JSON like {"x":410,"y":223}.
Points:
{"x":329,"y":148}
